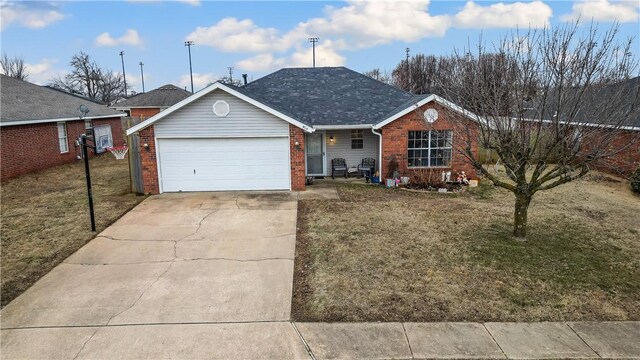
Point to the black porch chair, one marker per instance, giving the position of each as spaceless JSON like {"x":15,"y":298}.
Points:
{"x":368,"y":165}
{"x":338,"y":165}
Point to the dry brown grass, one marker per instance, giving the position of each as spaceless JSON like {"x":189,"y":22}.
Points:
{"x":392,"y":255}
{"x":45,"y":217}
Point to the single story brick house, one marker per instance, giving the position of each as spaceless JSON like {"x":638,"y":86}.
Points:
{"x":39,"y":126}
{"x":144,"y":105}
{"x":273,"y":133}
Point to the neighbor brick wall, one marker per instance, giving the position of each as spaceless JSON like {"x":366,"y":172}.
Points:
{"x":28,"y":148}
{"x":298,"y":178}
{"x":144,"y":113}
{"x":623,"y":163}
{"x":149,"y":161}
{"x":395,"y":139}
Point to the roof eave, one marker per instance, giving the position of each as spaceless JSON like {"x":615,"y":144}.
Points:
{"x":43,"y":121}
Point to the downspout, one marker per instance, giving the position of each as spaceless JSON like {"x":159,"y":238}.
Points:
{"x":379,"y":149}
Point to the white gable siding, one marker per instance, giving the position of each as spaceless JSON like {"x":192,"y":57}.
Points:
{"x":341,"y":147}
{"x":198,"y":120}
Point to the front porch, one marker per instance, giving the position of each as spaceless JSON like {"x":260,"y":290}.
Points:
{"x":352,"y":145}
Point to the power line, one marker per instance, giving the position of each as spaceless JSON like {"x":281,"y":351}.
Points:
{"x":313,"y":41}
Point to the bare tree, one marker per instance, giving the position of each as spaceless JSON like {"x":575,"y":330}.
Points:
{"x":88,"y":79}
{"x":379,"y":75}
{"x":550,"y":103}
{"x":14,"y":67}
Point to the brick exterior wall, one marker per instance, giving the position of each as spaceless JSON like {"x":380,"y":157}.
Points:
{"x":626,"y":161}
{"x":298,"y":177}
{"x":395,"y":139}
{"x":28,"y":148}
{"x":149,"y":161}
{"x":144,"y":113}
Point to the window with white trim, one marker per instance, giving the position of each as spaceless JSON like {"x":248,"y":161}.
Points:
{"x":357,"y":139}
{"x":62,"y":137}
{"x":88,"y":124}
{"x":429,"y":148}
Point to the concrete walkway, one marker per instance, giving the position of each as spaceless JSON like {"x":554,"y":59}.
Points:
{"x":209,"y":275}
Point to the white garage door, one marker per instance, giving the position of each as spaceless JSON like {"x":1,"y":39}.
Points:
{"x":224,"y":164}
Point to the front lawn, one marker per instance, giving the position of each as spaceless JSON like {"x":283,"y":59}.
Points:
{"x":45,"y":217}
{"x":392,"y":255}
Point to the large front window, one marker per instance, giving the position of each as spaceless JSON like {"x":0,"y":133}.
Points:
{"x":429,"y":148}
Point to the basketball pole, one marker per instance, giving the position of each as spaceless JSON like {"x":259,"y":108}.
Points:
{"x":85,"y":155}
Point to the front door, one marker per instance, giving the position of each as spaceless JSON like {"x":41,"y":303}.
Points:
{"x":315,"y":154}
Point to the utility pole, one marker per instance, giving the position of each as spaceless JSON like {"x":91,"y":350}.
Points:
{"x":313,"y":41}
{"x":407,"y":54}
{"x":124,"y":75}
{"x":230,"y":68}
{"x":188,"y":44}
{"x":142,"y":74}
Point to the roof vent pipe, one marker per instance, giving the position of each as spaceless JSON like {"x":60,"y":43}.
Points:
{"x":244,"y":76}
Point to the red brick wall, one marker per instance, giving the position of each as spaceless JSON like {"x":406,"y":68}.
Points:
{"x":149,"y":161}
{"x":144,"y":113}
{"x":395,"y":139}
{"x":298,"y":177}
{"x":624,"y":162}
{"x":28,"y":148}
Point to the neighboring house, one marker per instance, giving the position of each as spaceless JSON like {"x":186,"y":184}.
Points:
{"x":274,"y":132}
{"x":39,"y":126}
{"x":145,"y":105}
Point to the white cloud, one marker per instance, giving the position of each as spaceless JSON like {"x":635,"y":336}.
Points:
{"x":303,"y":57}
{"x":130,"y":37}
{"x":199,"y":80}
{"x":41,"y":73}
{"x":191,"y":2}
{"x":534,"y":14}
{"x":34,"y":15}
{"x":233,"y":35}
{"x":604,"y":10}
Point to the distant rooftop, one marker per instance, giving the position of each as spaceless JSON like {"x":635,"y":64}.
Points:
{"x":164,"y":96}
{"x":22,"y":101}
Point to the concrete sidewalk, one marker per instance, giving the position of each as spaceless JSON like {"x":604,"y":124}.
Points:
{"x":288,"y":340}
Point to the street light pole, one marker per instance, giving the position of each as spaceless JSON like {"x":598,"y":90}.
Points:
{"x":124,"y":75}
{"x":314,"y":40}
{"x":188,"y":44}
{"x":142,"y":74}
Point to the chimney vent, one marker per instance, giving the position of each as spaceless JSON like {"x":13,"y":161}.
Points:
{"x":244,"y":76}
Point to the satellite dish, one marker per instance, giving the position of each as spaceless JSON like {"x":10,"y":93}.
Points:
{"x":84,"y":110}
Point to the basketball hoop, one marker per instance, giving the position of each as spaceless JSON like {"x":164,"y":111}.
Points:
{"x":119,"y":151}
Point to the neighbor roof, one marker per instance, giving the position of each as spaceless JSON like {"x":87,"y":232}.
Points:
{"x":597,"y":105}
{"x":328,"y":96}
{"x":24,"y":103}
{"x":164,"y":96}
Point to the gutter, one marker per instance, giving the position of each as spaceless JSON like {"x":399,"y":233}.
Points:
{"x":379,"y":149}
{"x":77,"y":118}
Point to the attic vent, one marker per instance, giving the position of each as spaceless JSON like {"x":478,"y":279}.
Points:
{"x":221,"y":108}
{"x":430,"y":115}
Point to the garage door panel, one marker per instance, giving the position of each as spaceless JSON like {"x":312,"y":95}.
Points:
{"x":224,"y":164}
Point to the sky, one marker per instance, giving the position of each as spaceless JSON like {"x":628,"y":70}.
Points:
{"x":257,"y":38}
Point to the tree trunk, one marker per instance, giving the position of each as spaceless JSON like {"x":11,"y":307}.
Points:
{"x":520,"y":215}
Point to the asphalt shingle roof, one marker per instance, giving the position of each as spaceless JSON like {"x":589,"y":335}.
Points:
{"x":164,"y":96}
{"x":329,"y":96}
{"x":23,"y":101}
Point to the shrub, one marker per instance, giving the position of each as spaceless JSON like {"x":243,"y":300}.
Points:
{"x":635,"y":180}
{"x":425,"y":178}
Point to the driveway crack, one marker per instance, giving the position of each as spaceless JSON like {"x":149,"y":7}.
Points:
{"x":141,"y":294}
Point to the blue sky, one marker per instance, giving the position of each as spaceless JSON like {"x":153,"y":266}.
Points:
{"x":259,"y":37}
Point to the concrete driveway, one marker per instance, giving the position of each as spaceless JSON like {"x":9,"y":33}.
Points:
{"x":221,"y":261}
